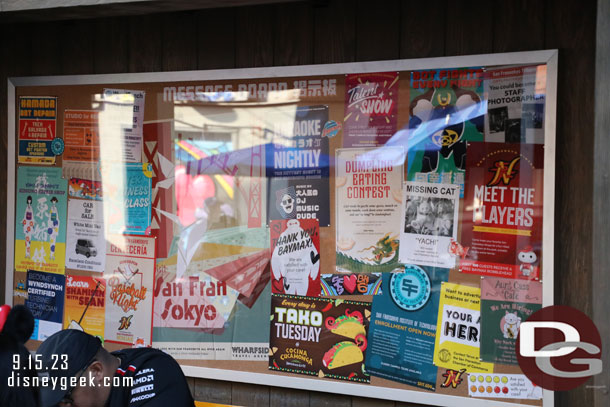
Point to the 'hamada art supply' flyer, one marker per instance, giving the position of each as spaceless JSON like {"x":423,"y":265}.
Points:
{"x":458,"y":334}
{"x":403,"y":326}
{"x":40,"y":221}
{"x":502,"y":211}
{"x":130,"y":273}
{"x":319,"y":337}
{"x":430,"y":224}
{"x":368,"y":208}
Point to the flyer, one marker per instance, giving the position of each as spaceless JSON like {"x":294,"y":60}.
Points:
{"x":85,"y":189}
{"x":295,"y":258}
{"x":319,"y":337}
{"x":371,"y":109}
{"x":403,"y":326}
{"x":81,"y":135}
{"x":129,"y":274}
{"x":505,"y":304}
{"x":516,"y":97}
{"x":127,"y":197}
{"x":502,"y":211}
{"x":124,"y":110}
{"x":368,"y":195}
{"x":446,"y":112}
{"x":430,"y":224}
{"x":299,"y":199}
{"x":45,"y":301}
{"x":40,"y":226}
{"x":503,"y":386}
{"x":37,"y":130}
{"x":85,"y":241}
{"x":458,"y":337}
{"x":350,"y":284}
{"x":85,"y":304}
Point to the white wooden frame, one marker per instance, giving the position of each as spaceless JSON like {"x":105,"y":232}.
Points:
{"x":548,"y":57}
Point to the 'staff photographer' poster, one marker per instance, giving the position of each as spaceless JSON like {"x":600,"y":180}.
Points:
{"x":505,"y":304}
{"x":130,"y":273}
{"x":368,"y":194}
{"x":430,"y":223}
{"x":319,"y":337}
{"x":502,"y":211}
{"x":403,"y":326}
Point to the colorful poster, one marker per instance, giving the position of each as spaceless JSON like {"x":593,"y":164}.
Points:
{"x":505,"y":303}
{"x":502,"y":211}
{"x":299,"y":199}
{"x":458,"y":337}
{"x":447,"y":110}
{"x":319,"y":337}
{"x":85,"y":189}
{"x":430,"y":224}
{"x":81,"y":135}
{"x":295,"y":259}
{"x":371,"y":109}
{"x":124,"y":110}
{"x":503,"y":386}
{"x":46,"y":302}
{"x":350,"y":284}
{"x":515,"y":98}
{"x":40,"y":230}
{"x":368,"y":194}
{"x":85,"y":241}
{"x":127,"y":197}
{"x":130,"y":274}
{"x":403,"y":326}
{"x":37,"y":130}
{"x":197,"y":302}
{"x":84,"y":307}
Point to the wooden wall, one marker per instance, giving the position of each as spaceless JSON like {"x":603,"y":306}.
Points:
{"x":320,"y":31}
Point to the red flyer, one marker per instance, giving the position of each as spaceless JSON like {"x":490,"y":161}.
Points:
{"x":295,"y":262}
{"x":371,"y":109}
{"x":502,"y":211}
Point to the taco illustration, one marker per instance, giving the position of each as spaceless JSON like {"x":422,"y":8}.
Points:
{"x":348,"y":325}
{"x":345,"y":353}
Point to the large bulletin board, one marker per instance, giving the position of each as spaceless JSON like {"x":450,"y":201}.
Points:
{"x":378,"y":229}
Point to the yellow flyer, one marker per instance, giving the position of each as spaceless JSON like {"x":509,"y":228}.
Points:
{"x":84,"y":304}
{"x":458,"y":333}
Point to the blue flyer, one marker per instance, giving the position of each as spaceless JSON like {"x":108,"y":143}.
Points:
{"x":46,"y":302}
{"x":403,"y":326}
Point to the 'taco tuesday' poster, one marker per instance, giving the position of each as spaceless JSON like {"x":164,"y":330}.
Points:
{"x":505,"y":304}
{"x":502,"y":211}
{"x":458,"y":336}
{"x":319,"y":337}
{"x":368,"y":194}
{"x":40,"y":221}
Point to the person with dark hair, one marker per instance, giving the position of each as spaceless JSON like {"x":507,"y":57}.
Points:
{"x":15,"y":359}
{"x":142,"y":377}
{"x":53,"y":225}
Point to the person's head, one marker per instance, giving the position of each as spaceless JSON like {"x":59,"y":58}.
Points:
{"x":28,"y":200}
{"x":86,"y":363}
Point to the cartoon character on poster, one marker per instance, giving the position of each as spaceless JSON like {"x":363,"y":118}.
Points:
{"x":295,"y":262}
{"x":53,"y":225}
{"x":28,"y":225}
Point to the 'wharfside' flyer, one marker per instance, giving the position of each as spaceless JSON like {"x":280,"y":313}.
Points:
{"x":319,"y":337}
{"x":295,"y":262}
{"x":130,"y":273}
{"x":505,"y":304}
{"x":371,"y":109}
{"x":502,"y":211}
{"x":429,"y":224}
{"x":368,"y":195}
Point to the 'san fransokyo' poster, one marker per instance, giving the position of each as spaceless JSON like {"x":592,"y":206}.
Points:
{"x":502,"y":211}
{"x":505,"y":304}
{"x":430,"y":224}
{"x":368,"y":194}
{"x":371,"y":109}
{"x":319,"y":337}
{"x":295,"y":259}
{"x":403,"y":326}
